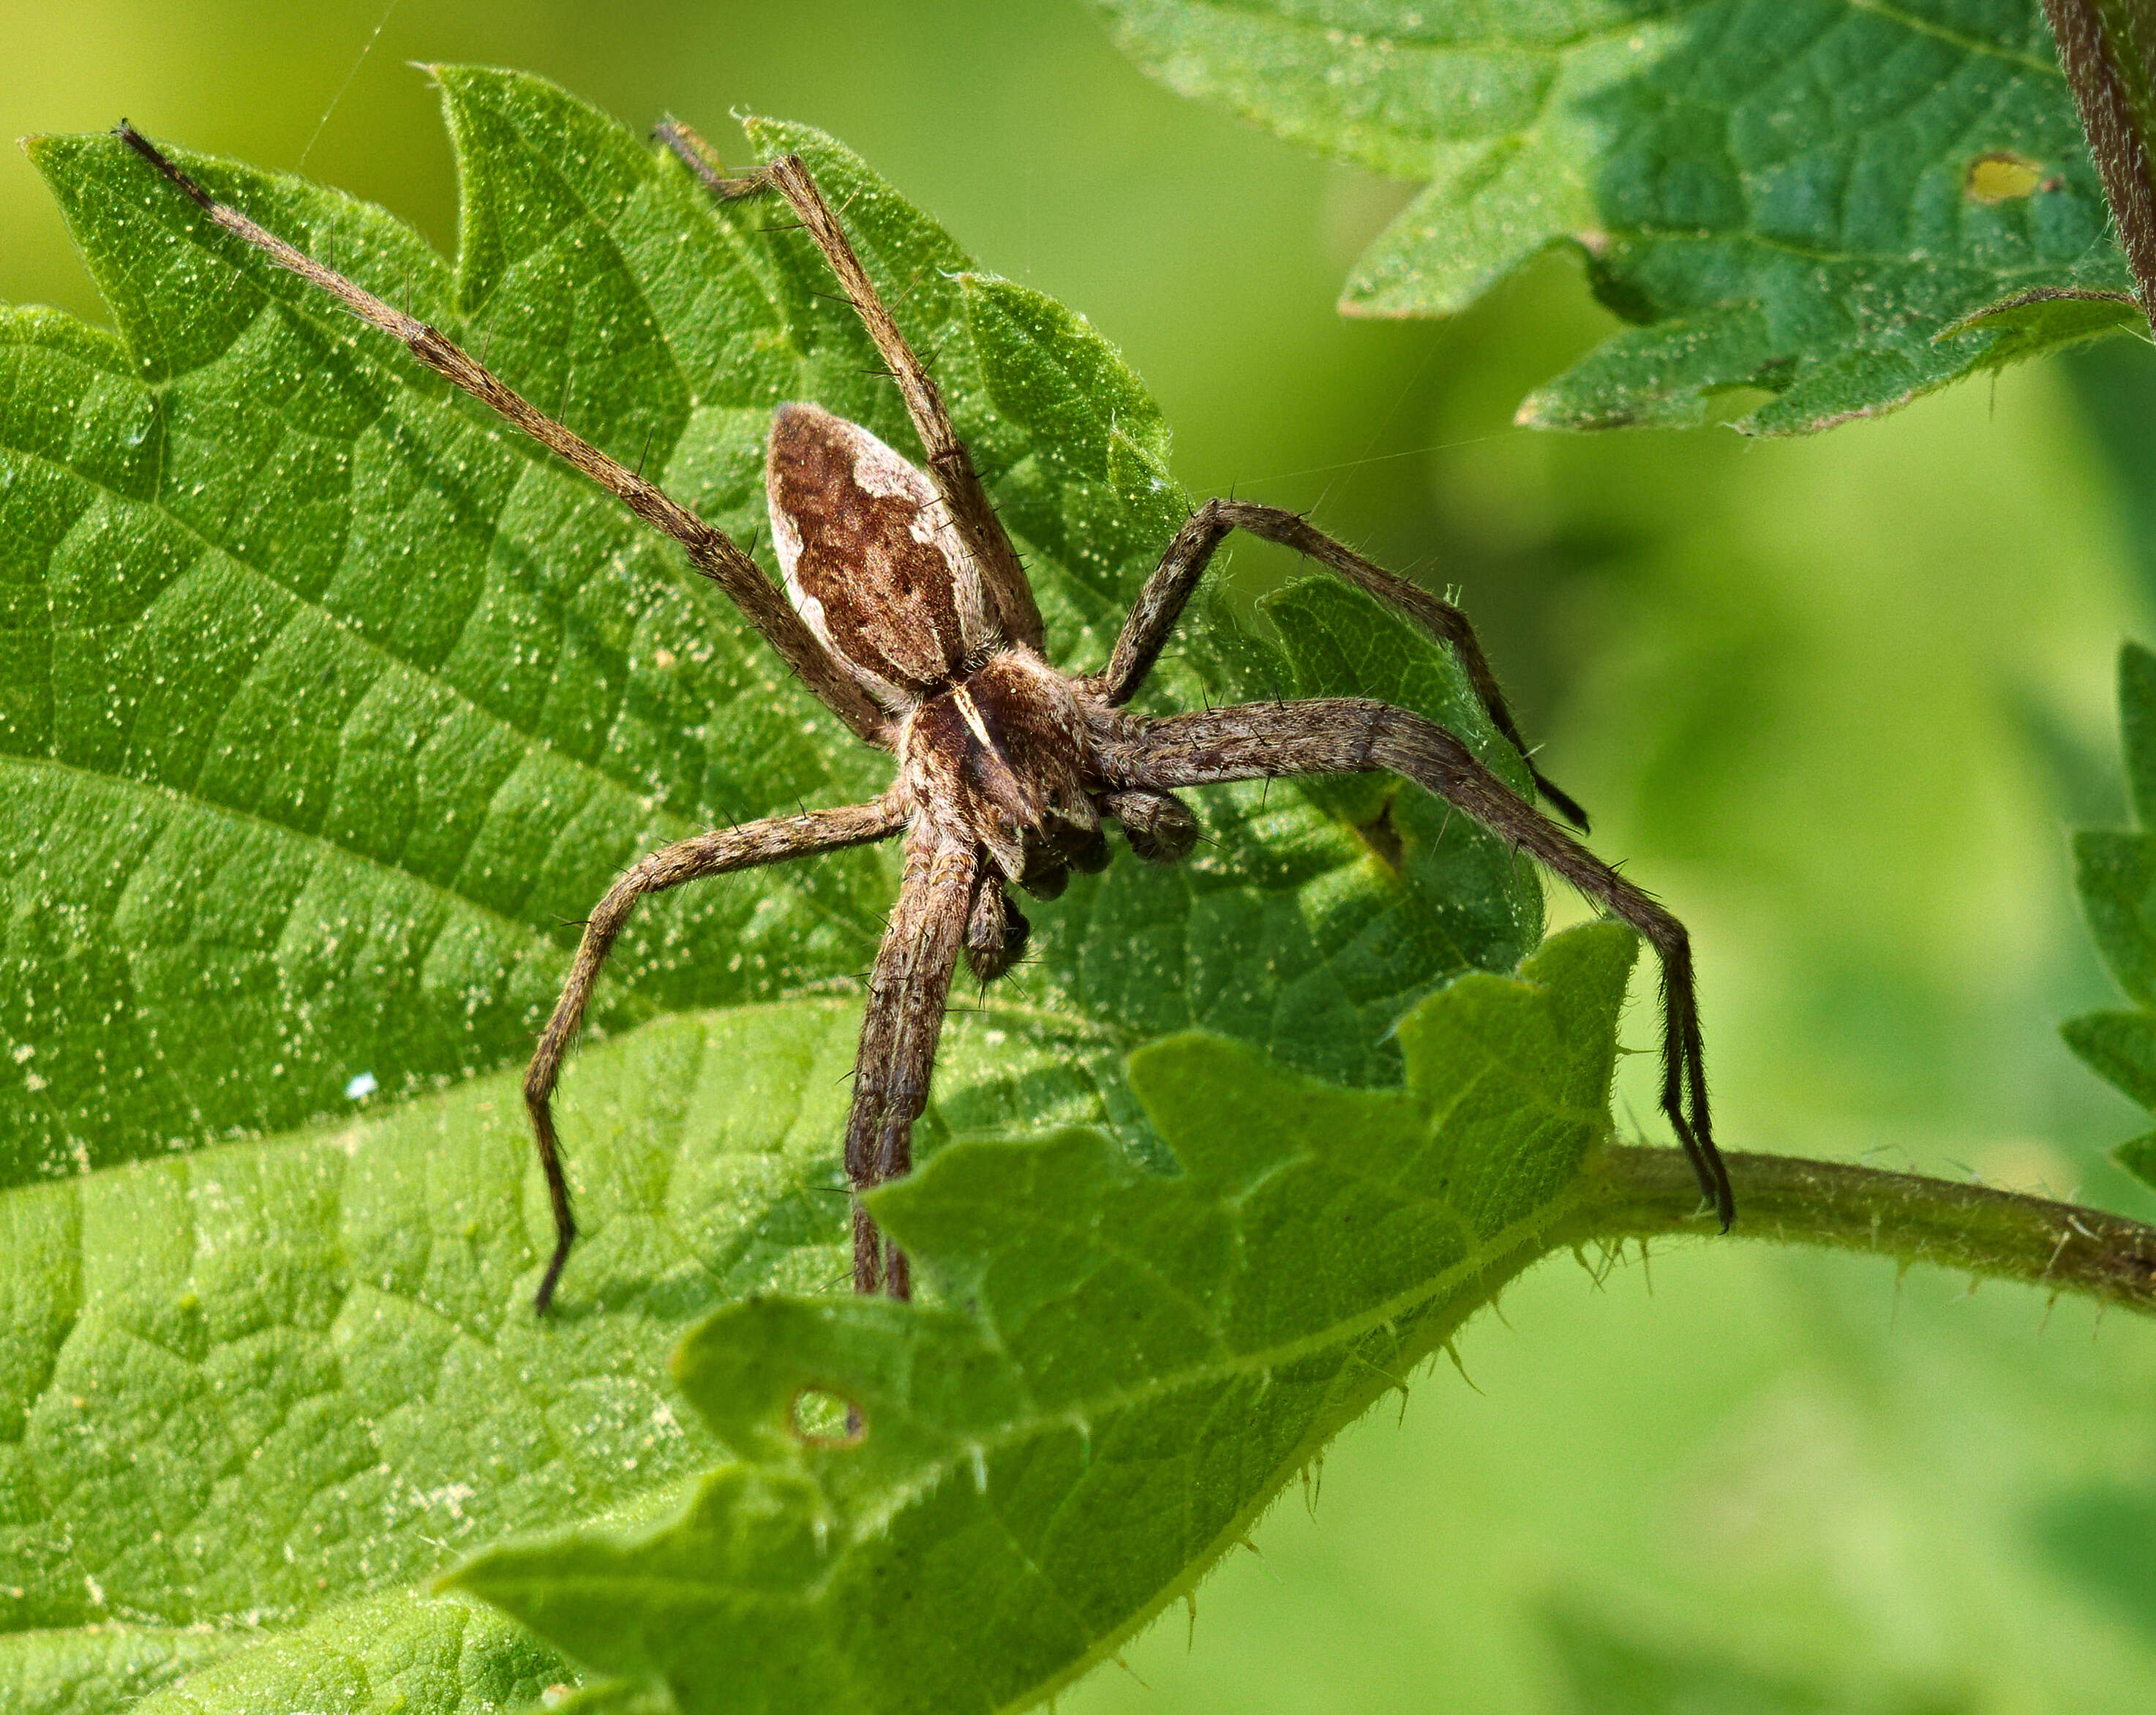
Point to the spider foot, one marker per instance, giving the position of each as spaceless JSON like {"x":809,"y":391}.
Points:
{"x":1562,"y":803}
{"x":701,"y":159}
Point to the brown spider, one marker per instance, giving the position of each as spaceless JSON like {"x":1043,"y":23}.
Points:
{"x":908,"y":613}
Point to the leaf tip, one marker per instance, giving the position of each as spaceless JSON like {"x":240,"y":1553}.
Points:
{"x":1547,"y":407}
{"x":757,"y":127}
{"x":2047,"y":316}
{"x":2138,"y":1156}
{"x":1362,"y":302}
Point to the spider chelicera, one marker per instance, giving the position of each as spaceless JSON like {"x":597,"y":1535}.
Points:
{"x":907,"y":613}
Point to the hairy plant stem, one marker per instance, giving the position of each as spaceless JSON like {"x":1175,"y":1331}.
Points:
{"x":1636,"y":1192}
{"x":2108,"y":49}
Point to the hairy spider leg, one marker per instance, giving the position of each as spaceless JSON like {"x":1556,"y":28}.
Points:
{"x":710,"y":551}
{"x":950,"y":466}
{"x":896,"y":1058}
{"x":1160,"y":604}
{"x":772,"y":841}
{"x":1355,"y":736}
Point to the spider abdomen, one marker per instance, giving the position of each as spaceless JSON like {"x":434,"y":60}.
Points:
{"x":872,"y":562}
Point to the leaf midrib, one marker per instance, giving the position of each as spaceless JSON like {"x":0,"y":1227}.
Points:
{"x":1968,"y":44}
{"x":1931,"y":267}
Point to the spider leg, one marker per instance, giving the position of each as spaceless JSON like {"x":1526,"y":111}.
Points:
{"x":1160,"y":604}
{"x":906,"y":994}
{"x":769,"y":841}
{"x":710,"y":551}
{"x":1354,"y":736}
{"x":950,"y":465}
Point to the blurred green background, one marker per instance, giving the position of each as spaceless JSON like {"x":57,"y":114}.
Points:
{"x":1835,"y":700}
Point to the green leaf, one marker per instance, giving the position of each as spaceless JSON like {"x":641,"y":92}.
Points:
{"x":395,"y":1656}
{"x":268,"y":1388}
{"x":1841,"y":204}
{"x":2115,"y":873}
{"x":2103,"y":1537}
{"x":263,"y":1389}
{"x":2138,"y":1156}
{"x":327,"y":706}
{"x":81,"y":1672}
{"x":1130,"y":1367}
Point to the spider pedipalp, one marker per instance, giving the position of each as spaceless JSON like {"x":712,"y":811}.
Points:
{"x":997,"y":931}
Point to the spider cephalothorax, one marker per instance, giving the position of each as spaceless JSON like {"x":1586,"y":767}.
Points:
{"x":1006,"y":758}
{"x":907,"y":613}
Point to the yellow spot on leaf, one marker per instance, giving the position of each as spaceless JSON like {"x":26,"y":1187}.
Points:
{"x":2001,"y":177}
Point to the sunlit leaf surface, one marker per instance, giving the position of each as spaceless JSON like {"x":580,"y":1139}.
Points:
{"x":1811,"y":199}
{"x":1126,"y":1368}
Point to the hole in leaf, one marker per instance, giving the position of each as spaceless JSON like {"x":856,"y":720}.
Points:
{"x":2000,"y":177}
{"x":1731,"y":404}
{"x":821,"y":1419}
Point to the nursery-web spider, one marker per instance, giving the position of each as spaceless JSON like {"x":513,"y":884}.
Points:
{"x":907,"y":613}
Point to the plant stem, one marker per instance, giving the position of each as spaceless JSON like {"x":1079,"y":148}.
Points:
{"x":2108,"y":49}
{"x":1633,"y":1193}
